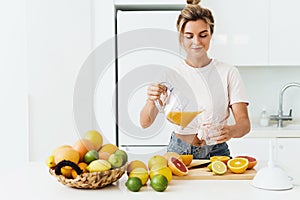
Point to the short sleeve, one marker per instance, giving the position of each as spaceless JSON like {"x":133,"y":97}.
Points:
{"x":236,"y":88}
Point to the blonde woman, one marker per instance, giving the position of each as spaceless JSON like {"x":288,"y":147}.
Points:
{"x":217,"y":87}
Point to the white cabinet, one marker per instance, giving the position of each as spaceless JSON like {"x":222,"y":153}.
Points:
{"x":256,"y":147}
{"x":241,"y":31}
{"x":284,"y":32}
{"x":287,"y":156}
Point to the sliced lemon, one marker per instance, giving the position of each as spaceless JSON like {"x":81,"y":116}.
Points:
{"x":218,"y":167}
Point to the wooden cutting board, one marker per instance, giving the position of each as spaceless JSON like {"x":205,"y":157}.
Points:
{"x":205,"y":174}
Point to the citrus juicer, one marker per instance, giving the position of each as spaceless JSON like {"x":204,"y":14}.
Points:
{"x":177,"y":108}
{"x":272,"y":177}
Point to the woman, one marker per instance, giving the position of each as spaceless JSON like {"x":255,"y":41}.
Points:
{"x":217,"y":87}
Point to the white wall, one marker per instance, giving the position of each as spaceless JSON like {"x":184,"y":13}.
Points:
{"x":59,"y":41}
{"x":13,"y":85}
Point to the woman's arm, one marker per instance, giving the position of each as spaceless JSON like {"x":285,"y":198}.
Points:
{"x":148,"y":114}
{"x":149,"y":111}
{"x":241,"y":126}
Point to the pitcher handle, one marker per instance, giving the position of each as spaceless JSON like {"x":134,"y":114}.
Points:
{"x":169,"y":89}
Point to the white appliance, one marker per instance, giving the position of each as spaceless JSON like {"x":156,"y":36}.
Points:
{"x":147,"y":43}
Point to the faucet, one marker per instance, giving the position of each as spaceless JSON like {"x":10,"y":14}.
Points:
{"x":281,"y":117}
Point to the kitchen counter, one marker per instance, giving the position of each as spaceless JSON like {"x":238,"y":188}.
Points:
{"x":33,"y":181}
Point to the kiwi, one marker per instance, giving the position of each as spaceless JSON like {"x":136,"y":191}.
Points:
{"x":64,"y":163}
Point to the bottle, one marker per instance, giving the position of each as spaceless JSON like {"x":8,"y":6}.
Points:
{"x":264,"y":118}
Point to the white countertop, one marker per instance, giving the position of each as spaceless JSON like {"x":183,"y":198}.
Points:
{"x":34,"y":182}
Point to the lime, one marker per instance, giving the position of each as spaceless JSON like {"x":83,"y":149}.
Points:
{"x":134,"y":184}
{"x":91,"y":156}
{"x":115,"y":160}
{"x":159,"y":182}
{"x":219,"y":167}
{"x":123,"y":154}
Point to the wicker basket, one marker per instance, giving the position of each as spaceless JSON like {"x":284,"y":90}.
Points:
{"x":92,"y":180}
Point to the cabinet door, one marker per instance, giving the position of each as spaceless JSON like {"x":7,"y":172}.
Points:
{"x":287,"y":157}
{"x":241,"y":31}
{"x":284,"y":32}
{"x":256,"y":147}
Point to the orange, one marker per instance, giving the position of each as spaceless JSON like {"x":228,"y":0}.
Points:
{"x":163,"y":170}
{"x":224,"y":159}
{"x":252,"y":161}
{"x":136,"y":164}
{"x":238,"y":165}
{"x":66,"y":171}
{"x":66,"y":154}
{"x":157,"y":160}
{"x":83,"y":146}
{"x":187,"y":159}
{"x":178,"y":168}
{"x":82,"y":166}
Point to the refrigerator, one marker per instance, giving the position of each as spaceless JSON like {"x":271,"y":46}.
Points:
{"x":147,"y":43}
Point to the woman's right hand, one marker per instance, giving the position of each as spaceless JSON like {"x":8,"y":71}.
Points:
{"x":155,"y":90}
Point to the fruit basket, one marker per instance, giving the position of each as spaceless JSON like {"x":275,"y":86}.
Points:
{"x":91,"y":180}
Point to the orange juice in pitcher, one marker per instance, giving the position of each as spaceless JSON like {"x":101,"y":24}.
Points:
{"x":182,"y":118}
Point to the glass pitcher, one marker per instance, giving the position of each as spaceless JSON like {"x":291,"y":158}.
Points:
{"x":178,"y":108}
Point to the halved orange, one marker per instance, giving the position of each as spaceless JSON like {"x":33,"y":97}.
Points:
{"x":238,"y":165}
{"x":187,"y":159}
{"x":224,"y":159}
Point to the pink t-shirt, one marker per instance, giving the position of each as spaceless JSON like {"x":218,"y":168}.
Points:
{"x":214,"y":88}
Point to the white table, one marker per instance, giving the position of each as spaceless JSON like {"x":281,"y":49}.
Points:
{"x":34,"y":182}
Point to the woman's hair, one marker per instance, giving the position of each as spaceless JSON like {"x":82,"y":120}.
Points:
{"x":192,"y":12}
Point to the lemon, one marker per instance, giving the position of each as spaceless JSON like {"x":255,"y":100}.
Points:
{"x":134,"y":184}
{"x":159,"y":182}
{"x":50,"y":161}
{"x":163,"y":170}
{"x":98,"y":166}
{"x":219,"y":167}
{"x":209,"y":166}
{"x":140,"y":173}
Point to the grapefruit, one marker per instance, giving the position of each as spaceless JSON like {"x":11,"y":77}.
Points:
{"x":66,"y":154}
{"x":109,"y":148}
{"x":61,"y":147}
{"x":238,"y":165}
{"x":104,"y":155}
{"x":136,"y":164}
{"x":252,"y":161}
{"x":95,"y":137}
{"x":82,"y":146}
{"x":167,"y":155}
{"x":178,"y":168}
{"x":157,"y":160}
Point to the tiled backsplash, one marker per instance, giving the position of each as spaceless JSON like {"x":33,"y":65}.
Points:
{"x":263,"y":85}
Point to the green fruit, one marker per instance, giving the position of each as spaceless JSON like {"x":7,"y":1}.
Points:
{"x":115,"y":160}
{"x":159,"y":182}
{"x":134,"y":184}
{"x":98,"y":166}
{"x":123,"y":154}
{"x":91,"y":156}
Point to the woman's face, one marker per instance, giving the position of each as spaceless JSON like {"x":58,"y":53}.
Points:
{"x":196,"y":38}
